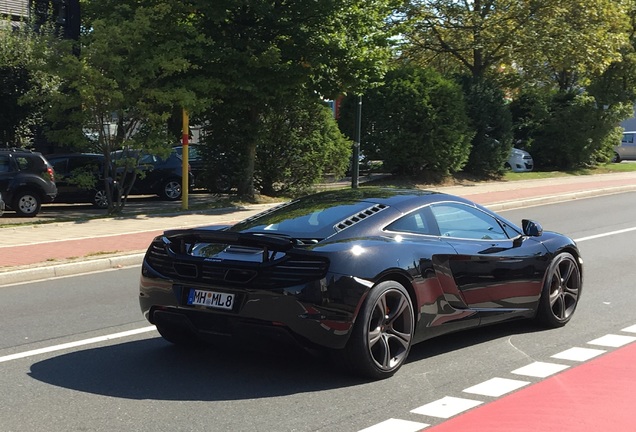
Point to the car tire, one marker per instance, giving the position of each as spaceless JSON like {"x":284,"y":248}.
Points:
{"x":171,"y":190}
{"x":616,"y":158}
{"x":178,"y":335}
{"x":383,"y":332}
{"x":27,"y":203}
{"x":100,"y":199}
{"x":561,"y":291}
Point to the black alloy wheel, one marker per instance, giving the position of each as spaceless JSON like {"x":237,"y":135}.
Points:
{"x":383,"y":332}
{"x":561,"y":291}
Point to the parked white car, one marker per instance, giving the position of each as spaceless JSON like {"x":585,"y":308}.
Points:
{"x":627,"y":149}
{"x":519,"y":161}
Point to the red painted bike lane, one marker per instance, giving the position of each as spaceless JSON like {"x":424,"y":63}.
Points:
{"x":598,"y":395}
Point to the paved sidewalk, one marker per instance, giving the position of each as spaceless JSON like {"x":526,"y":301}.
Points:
{"x":34,"y":252}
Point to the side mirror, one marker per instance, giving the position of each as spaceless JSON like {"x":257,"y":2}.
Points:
{"x":531,"y":228}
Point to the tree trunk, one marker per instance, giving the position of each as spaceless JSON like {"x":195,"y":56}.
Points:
{"x":246,"y":185}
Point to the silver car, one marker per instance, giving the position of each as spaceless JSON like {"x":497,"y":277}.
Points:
{"x":627,"y":149}
{"x":519,"y":161}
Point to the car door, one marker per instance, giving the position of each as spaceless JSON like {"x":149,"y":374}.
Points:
{"x":439,"y":301}
{"x":496,"y":270}
{"x":629,"y":146}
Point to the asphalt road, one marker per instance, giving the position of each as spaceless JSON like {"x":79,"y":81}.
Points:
{"x":123,"y":382}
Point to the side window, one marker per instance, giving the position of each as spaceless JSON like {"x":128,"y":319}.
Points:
{"x":5,"y":164}
{"x":418,"y":222}
{"x":628,"y":138}
{"x":60,"y":166}
{"x":25,"y":163}
{"x":460,"y":221}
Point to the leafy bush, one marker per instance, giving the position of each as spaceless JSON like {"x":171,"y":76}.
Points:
{"x":416,"y":122}
{"x":298,"y":141}
{"x":590,"y":134}
{"x":300,"y":144}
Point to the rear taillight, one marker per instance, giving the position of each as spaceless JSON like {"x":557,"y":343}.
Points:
{"x":51,"y":174}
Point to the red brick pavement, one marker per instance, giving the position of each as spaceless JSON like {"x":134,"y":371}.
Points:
{"x":73,"y":249}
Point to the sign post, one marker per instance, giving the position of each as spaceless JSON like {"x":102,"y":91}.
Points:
{"x":185,"y":164}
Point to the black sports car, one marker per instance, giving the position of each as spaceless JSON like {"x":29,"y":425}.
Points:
{"x":363,"y":273}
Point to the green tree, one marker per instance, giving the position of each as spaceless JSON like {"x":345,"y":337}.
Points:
{"x":560,"y":43}
{"x":265,"y":52}
{"x":417,"y":123}
{"x":492,"y":122}
{"x":23,"y":84}
{"x":126,"y":82}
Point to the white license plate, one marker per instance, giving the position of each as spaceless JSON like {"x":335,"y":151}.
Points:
{"x":210,"y":299}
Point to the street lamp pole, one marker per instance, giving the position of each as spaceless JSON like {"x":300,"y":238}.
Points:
{"x":355,"y":157}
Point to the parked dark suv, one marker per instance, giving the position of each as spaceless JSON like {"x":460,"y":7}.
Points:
{"x":26,"y":181}
{"x":69,"y":170}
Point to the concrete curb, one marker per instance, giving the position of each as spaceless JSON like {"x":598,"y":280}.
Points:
{"x":13,"y":277}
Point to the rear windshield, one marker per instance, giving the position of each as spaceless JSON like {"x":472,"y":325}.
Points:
{"x":301,"y":220}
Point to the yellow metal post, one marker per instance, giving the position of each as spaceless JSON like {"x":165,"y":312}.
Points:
{"x":184,"y":163}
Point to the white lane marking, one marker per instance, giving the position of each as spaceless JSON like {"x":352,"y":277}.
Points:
{"x":578,"y":354}
{"x":496,"y":387}
{"x":612,"y":340}
{"x":630,"y":329}
{"x":76,"y":344}
{"x":396,"y":425}
{"x":446,"y":407}
{"x":605,"y":234}
{"x":540,"y":369}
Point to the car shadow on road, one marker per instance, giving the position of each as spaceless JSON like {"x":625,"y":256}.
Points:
{"x":154,"y":369}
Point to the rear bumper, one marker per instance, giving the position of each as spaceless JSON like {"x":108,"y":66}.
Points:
{"x":317,"y":314}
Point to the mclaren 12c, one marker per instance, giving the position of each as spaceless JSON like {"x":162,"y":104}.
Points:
{"x":362,"y":273}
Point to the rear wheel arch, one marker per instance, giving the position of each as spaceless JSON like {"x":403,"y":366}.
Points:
{"x":406,"y":282}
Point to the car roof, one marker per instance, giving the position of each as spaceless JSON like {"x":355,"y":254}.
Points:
{"x":403,"y":199}
{"x":57,"y":155}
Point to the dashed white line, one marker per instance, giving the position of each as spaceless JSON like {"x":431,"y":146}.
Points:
{"x":396,"y":425}
{"x":612,"y":340}
{"x":446,"y":407}
{"x":578,"y":354}
{"x":76,"y":344}
{"x":630,"y":329}
{"x":450,"y":406}
{"x":540,"y":369}
{"x":496,"y":387}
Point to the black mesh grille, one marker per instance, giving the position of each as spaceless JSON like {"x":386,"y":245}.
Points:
{"x":293,"y":269}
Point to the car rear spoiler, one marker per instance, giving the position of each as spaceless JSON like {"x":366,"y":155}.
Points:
{"x":193,"y":236}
